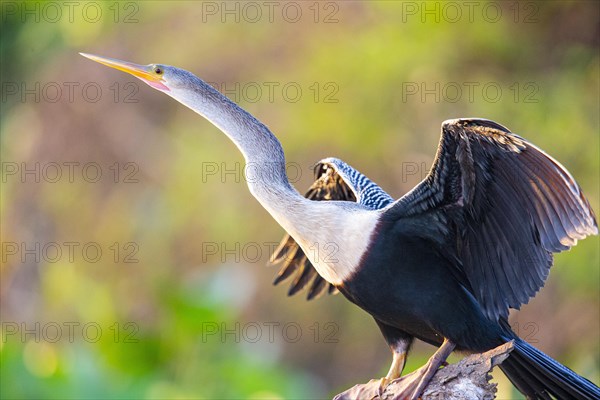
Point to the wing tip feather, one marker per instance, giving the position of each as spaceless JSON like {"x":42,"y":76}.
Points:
{"x":471,"y":122}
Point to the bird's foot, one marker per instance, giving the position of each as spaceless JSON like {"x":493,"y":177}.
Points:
{"x":408,"y":383}
{"x":394,"y":373}
{"x":383,"y":384}
{"x":413,"y":385}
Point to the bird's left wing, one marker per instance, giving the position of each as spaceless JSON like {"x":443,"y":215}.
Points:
{"x":334,"y":180}
{"x":500,"y":207}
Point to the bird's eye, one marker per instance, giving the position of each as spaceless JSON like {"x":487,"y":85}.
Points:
{"x":158,"y":70}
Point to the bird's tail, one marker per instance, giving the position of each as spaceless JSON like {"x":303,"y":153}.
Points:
{"x":538,"y":376}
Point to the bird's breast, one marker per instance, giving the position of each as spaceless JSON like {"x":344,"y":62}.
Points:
{"x":336,"y":242}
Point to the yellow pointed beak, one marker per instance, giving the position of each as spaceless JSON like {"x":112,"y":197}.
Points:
{"x":143,"y":72}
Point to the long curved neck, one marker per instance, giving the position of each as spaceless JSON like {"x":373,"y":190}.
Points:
{"x":265,"y":161}
{"x":319,"y":227}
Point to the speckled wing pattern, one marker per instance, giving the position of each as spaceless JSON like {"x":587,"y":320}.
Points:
{"x":503,"y":205}
{"x":334,"y":180}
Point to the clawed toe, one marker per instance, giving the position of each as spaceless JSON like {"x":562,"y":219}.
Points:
{"x":383,"y":384}
{"x":408,"y":383}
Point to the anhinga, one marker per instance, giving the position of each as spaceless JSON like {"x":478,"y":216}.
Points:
{"x":445,"y":262}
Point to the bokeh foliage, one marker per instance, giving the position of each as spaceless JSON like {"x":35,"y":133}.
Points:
{"x":358,"y":65}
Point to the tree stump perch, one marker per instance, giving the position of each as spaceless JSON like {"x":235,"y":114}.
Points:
{"x":468,"y":379}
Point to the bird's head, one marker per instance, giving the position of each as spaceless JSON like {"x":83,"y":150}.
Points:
{"x":161,"y":77}
{"x":195,"y":94}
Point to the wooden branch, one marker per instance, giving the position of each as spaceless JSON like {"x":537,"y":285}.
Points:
{"x":466,"y":380}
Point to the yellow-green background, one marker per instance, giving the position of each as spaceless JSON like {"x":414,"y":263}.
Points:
{"x":370,"y":52}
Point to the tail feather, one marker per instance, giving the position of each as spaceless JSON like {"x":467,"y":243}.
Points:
{"x":523,"y":379}
{"x":538,"y":376}
{"x":539,"y":385}
{"x":520,"y":379}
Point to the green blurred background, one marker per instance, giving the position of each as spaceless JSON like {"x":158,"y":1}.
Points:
{"x":179,"y":304}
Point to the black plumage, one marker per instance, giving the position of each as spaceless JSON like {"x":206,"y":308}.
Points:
{"x":503,"y":207}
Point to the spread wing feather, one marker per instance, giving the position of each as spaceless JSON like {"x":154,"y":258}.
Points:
{"x":502,"y":206}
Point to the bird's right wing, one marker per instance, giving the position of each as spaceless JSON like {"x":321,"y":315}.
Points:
{"x":499,"y":207}
{"x":334,"y":180}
